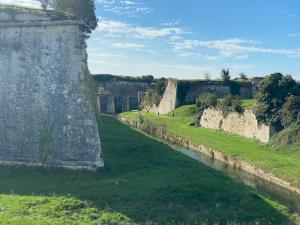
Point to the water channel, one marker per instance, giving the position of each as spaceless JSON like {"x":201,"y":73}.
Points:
{"x":282,"y":195}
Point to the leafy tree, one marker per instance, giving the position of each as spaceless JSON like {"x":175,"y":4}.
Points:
{"x":45,"y":3}
{"x":243,"y":76}
{"x":225,"y":74}
{"x":271,"y":95}
{"x":290,"y":111}
{"x":83,"y":9}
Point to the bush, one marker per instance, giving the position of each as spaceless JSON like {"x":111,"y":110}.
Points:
{"x":289,"y":136}
{"x":204,"y":101}
{"x":231,"y":103}
{"x":271,"y":95}
{"x":290,"y":111}
{"x":150,"y":98}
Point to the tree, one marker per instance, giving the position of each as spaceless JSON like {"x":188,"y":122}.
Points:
{"x":271,"y":95}
{"x":225,"y":75}
{"x":83,"y":9}
{"x":243,"y":76}
{"x":45,"y":3}
{"x":290,"y":111}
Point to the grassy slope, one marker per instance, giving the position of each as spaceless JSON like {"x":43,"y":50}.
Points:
{"x":144,"y":181}
{"x":247,"y":103}
{"x":284,"y":163}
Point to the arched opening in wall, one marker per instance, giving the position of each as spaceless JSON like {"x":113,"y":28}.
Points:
{"x":133,"y":102}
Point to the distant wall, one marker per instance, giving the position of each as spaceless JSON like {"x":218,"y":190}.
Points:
{"x":244,"y":124}
{"x":188,"y":91}
{"x":120,"y":95}
{"x":123,"y":88}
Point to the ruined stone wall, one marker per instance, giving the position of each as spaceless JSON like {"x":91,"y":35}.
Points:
{"x":189,"y":91}
{"x":45,"y":104}
{"x":244,"y":124}
{"x":124,"y":94}
{"x":169,"y":99}
{"x":124,"y":88}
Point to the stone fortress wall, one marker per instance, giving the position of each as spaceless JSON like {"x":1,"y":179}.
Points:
{"x":168,"y":101}
{"x":46,"y":111}
{"x":243,"y":124}
{"x":120,"y":95}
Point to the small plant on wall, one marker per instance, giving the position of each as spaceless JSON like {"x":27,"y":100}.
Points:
{"x":46,"y":142}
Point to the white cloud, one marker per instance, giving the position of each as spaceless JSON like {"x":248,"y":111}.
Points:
{"x":112,"y":27}
{"x":235,"y":47}
{"x":25,"y":3}
{"x":127,"y":45}
{"x":124,"y":7}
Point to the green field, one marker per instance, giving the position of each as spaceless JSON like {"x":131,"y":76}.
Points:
{"x":144,"y":182}
{"x":283,"y":162}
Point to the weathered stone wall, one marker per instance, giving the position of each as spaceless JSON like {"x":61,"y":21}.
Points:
{"x":45,"y":106}
{"x":195,"y":90}
{"x":244,"y":124}
{"x":169,"y":99}
{"x":106,"y":103}
{"x":189,"y":91}
{"x":124,"y":94}
{"x":124,"y":88}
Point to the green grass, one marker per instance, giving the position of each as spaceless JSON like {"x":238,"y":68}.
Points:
{"x":144,"y":182}
{"x":247,"y":103}
{"x":283,"y":162}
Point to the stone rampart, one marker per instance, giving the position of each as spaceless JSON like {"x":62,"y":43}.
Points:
{"x":243,"y":124}
{"x":45,"y":102}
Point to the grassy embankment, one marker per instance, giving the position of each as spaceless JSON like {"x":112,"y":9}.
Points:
{"x":144,"y":182}
{"x":283,"y":162}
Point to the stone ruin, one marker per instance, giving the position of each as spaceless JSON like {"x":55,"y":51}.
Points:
{"x":46,"y":111}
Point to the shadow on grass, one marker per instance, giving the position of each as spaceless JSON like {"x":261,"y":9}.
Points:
{"x":147,"y":181}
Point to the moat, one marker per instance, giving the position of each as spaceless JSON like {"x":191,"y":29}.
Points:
{"x":282,"y":195}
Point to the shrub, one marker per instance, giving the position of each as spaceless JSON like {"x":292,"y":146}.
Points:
{"x":150,"y":98}
{"x":271,"y":95}
{"x":290,"y":111}
{"x":289,"y":136}
{"x":204,"y":101}
{"x":243,"y":76}
{"x":231,"y":103}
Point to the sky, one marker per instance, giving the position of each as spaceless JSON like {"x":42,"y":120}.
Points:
{"x":187,"y":39}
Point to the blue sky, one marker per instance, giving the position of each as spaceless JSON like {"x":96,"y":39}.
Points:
{"x":188,"y":38}
{"x":185,"y":39}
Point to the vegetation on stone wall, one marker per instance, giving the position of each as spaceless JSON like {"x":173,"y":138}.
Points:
{"x":153,"y":96}
{"x":287,"y":137}
{"x":83,"y":10}
{"x":229,"y":103}
{"x":46,"y":141}
{"x":204,"y":101}
{"x":108,"y":77}
{"x":273,"y":100}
